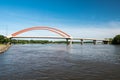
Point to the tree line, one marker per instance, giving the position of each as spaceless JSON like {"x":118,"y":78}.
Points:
{"x":116,"y":39}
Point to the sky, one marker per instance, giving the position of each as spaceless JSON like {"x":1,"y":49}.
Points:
{"x":79,"y":18}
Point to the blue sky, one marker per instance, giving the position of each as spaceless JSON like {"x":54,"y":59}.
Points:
{"x":79,"y":18}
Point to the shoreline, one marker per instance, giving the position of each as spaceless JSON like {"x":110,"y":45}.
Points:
{"x":4,"y":48}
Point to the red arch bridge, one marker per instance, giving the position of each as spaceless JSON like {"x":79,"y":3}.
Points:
{"x":63,"y":35}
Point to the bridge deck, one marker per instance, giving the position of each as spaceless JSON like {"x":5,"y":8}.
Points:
{"x":41,"y":37}
{"x":57,"y":38}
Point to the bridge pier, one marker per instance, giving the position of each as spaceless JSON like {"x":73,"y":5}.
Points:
{"x":81,"y":41}
{"x":94,"y":42}
{"x":68,"y":42}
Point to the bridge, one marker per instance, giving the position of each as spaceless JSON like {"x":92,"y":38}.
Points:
{"x":63,"y":35}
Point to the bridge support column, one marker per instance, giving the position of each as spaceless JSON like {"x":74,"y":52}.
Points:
{"x":94,"y":42}
{"x":81,"y":41}
{"x":69,"y":42}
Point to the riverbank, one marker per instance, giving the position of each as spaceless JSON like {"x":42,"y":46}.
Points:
{"x":3,"y":47}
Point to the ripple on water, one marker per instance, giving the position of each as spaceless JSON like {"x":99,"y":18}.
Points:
{"x":59,"y":62}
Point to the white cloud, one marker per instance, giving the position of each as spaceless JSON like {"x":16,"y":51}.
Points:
{"x":108,"y":30}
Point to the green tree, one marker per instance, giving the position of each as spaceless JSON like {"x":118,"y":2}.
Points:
{"x":116,"y":39}
{"x":2,"y":39}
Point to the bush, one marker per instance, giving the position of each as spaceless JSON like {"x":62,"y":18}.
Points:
{"x":116,"y":39}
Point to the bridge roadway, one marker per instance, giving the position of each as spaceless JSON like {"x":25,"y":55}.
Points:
{"x":68,"y":39}
{"x":53,"y":37}
{"x":44,"y":37}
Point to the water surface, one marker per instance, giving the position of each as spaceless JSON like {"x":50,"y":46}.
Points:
{"x":60,"y":62}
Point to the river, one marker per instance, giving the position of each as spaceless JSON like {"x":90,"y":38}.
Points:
{"x":60,"y":62}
